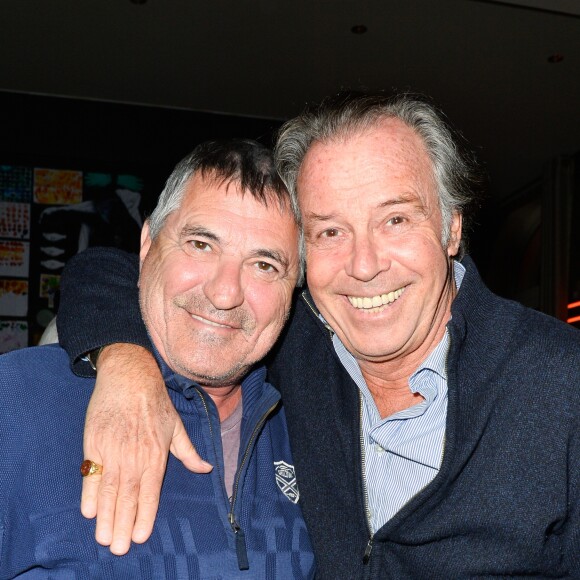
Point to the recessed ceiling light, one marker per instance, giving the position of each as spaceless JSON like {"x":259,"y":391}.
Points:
{"x":358,"y":29}
{"x":556,"y":58}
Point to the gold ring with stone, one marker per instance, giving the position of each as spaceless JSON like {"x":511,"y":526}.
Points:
{"x":89,"y":467}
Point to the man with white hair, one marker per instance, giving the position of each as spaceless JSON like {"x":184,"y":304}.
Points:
{"x":434,"y":425}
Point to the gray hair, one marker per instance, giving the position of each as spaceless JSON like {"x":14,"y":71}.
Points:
{"x":455,"y":170}
{"x":243,"y":161}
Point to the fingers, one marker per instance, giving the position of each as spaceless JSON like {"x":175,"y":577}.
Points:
{"x":182,"y":448}
{"x":113,"y":504}
{"x":107,"y":505}
{"x":149,"y":494}
{"x":138,"y":495}
{"x":125,"y":506}
{"x":125,"y":511}
{"x":125,"y":498}
{"x":90,"y":490}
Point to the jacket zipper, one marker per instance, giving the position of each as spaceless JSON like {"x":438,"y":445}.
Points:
{"x":316,"y":313}
{"x":241,"y":549}
{"x":369,"y":546}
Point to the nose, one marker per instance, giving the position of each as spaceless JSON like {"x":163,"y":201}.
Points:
{"x":224,"y":288}
{"x":364,"y":262}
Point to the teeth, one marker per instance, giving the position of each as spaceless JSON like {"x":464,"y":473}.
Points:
{"x":366,"y":303}
{"x":206,"y":321}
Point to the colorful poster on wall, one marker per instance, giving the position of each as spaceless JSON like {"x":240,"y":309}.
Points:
{"x":14,"y":220}
{"x":57,"y":186}
{"x":15,"y":183}
{"x":13,"y":335}
{"x":46,"y":216}
{"x":13,"y":297}
{"x":14,"y":258}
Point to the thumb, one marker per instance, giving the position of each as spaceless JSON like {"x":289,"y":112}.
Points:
{"x":182,"y":448}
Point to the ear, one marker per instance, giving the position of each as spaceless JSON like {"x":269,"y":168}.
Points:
{"x":145,"y":242}
{"x":455,"y":235}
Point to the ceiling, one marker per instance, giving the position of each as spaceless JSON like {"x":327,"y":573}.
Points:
{"x":486,"y":63}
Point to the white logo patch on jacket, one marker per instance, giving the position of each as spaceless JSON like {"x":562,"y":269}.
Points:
{"x":286,"y":480}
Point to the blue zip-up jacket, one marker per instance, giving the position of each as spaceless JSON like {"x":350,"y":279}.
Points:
{"x":44,"y":535}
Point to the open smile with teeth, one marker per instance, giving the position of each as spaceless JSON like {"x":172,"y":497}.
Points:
{"x":210,"y":322}
{"x":375,"y":303}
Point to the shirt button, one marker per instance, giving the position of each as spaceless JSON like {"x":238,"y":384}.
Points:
{"x":379,"y":449}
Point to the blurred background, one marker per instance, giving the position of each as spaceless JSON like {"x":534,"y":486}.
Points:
{"x":99,"y":100}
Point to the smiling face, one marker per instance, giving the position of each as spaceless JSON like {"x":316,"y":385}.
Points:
{"x":216,"y":283}
{"x":376,"y":266}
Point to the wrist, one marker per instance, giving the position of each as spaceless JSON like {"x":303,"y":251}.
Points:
{"x":92,"y":357}
{"x":121,"y":357}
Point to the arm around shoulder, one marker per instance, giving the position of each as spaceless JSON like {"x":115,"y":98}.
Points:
{"x":99,"y":304}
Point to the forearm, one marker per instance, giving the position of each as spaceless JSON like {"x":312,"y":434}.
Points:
{"x":99,"y":304}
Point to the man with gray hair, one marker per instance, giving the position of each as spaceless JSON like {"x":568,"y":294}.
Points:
{"x":218,"y":265}
{"x":434,"y":425}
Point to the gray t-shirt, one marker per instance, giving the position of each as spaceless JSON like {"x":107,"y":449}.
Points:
{"x":231,"y":429}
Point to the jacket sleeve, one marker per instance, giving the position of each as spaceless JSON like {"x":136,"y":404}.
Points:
{"x":572,"y":545}
{"x":99,"y":304}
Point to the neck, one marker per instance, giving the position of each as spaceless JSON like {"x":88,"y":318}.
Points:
{"x":226,"y":399}
{"x":388,"y":381}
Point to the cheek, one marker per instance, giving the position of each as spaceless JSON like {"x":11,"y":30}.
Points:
{"x":180,"y":276}
{"x":322,"y":266}
{"x":269,"y":305}
{"x":418,"y":247}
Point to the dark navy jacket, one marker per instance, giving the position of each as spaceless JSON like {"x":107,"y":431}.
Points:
{"x":44,"y":535}
{"x":506,"y":502}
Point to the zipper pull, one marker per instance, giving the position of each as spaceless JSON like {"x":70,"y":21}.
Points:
{"x":368,"y":550}
{"x":241,"y":550}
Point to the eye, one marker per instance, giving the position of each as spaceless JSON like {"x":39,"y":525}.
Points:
{"x":266,"y":267}
{"x":330,"y":233}
{"x":202,"y":246}
{"x":396,"y":220}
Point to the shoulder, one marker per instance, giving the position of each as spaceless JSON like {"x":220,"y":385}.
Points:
{"x":38,"y":362}
{"x":502,"y":338}
{"x":42,"y":411}
{"x":37,"y":382}
{"x":492,"y":315}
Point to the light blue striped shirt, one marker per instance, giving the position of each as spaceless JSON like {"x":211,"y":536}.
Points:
{"x":403,"y":452}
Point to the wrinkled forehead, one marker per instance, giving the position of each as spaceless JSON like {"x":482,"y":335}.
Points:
{"x":388,"y":152}
{"x":215,"y":197}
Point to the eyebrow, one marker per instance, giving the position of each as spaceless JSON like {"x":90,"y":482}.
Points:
{"x":318,"y":217}
{"x":274,"y":255}
{"x":187,"y":231}
{"x":399,"y":200}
